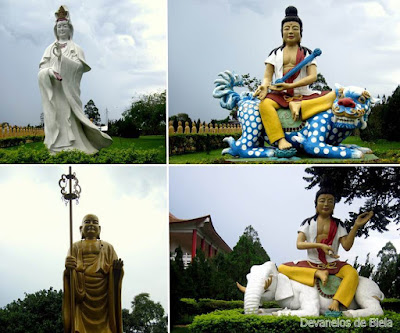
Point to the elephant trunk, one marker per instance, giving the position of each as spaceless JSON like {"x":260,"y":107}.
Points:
{"x":254,"y":290}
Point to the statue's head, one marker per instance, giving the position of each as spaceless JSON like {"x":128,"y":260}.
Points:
{"x":325,"y":200}
{"x":90,"y":228}
{"x":292,"y":27}
{"x":63,"y":28}
{"x":352,"y":107}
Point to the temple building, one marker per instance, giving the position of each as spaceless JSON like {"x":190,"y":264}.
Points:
{"x":194,"y":234}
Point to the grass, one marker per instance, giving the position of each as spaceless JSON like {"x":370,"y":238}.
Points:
{"x":142,"y":143}
{"x":386,"y":151}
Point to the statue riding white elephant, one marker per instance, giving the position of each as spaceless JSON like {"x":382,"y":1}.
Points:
{"x":264,"y":283}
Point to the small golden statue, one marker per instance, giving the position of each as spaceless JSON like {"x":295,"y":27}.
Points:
{"x":92,"y":283}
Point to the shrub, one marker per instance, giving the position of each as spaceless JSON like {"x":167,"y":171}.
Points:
{"x":234,"y":321}
{"x":189,"y":143}
{"x":392,"y":304}
{"x":16,"y":141}
{"x":115,"y":156}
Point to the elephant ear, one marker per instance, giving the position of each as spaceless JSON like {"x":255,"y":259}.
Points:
{"x":283,"y":288}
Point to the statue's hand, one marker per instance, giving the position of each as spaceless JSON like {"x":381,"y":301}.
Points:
{"x":363,"y":218}
{"x":70,"y":262}
{"x":118,"y":264}
{"x":280,"y":86}
{"x":54,"y":75}
{"x":328,"y":251}
{"x":261,"y":92}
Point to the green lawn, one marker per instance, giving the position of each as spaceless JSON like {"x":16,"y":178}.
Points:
{"x":154,"y":143}
{"x":386,"y":151}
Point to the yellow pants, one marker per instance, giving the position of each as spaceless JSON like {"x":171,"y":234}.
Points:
{"x":305,"y":275}
{"x":309,"y":108}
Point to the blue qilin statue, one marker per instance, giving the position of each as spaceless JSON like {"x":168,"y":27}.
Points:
{"x":320,"y":135}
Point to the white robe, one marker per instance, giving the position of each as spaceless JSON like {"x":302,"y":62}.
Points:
{"x":66,"y":126}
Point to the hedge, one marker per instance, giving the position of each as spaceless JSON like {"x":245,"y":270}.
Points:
{"x":119,"y":156}
{"x":234,"y":321}
{"x":391,"y":304}
{"x":193,"y":308}
{"x":190,"y":143}
{"x":20,"y":140}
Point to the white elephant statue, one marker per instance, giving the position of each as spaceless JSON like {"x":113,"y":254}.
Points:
{"x":265,"y":283}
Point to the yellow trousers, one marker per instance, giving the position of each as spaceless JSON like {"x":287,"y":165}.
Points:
{"x":305,"y":275}
{"x":309,"y":108}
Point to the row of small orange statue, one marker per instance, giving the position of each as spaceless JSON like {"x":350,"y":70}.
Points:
{"x":204,"y":128}
{"x":7,"y":131}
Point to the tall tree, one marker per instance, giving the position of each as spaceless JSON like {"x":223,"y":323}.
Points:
{"x":378,"y":186}
{"x":247,"y":252}
{"x":92,"y":112}
{"x":387,"y":275}
{"x":391,"y":116}
{"x":146,"y":316}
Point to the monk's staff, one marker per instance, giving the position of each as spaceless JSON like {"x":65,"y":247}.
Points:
{"x":68,"y":197}
{"x":300,"y":65}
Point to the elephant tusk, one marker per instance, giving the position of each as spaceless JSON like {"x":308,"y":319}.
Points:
{"x":268,"y":283}
{"x":240,"y":287}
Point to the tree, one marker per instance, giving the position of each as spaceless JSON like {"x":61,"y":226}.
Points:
{"x":214,"y":277}
{"x":247,"y":252}
{"x":391,"y":117}
{"x":320,"y":84}
{"x":364,"y":270}
{"x":92,"y":112}
{"x":378,"y":186}
{"x":148,"y":113}
{"x":387,"y":275}
{"x":146,"y":316}
{"x":251,"y":83}
{"x":36,"y":313}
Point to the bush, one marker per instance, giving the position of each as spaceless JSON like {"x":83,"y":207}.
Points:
{"x":192,"y":308}
{"x":189,"y":143}
{"x":375,"y":128}
{"x":392,"y":304}
{"x":115,"y":156}
{"x":234,"y":321}
{"x":16,"y":141}
{"x":123,"y":128}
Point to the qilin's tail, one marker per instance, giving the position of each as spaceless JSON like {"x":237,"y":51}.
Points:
{"x":225,"y":83}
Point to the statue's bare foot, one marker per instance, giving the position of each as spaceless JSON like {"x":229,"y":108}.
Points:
{"x":284,"y":144}
{"x":334,"y":305}
{"x":323,"y":276}
{"x":295,"y":109}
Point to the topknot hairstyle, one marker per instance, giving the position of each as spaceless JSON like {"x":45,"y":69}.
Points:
{"x":291,"y":16}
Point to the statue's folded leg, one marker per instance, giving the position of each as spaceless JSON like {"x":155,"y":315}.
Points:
{"x":303,"y":275}
{"x":310,"y":107}
{"x":348,"y":286}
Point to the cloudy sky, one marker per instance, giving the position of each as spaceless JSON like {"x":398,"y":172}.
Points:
{"x":131,"y":203}
{"x":359,"y":39}
{"x":272,"y":199}
{"x":124,"y":43}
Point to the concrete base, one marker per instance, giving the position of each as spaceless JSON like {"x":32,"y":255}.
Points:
{"x":308,"y":159}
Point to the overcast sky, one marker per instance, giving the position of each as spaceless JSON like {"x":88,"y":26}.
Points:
{"x":131,"y":203}
{"x":272,"y":199}
{"x":124,"y":42}
{"x":359,"y":39}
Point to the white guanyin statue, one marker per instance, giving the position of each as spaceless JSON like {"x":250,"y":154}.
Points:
{"x":63,"y":63}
